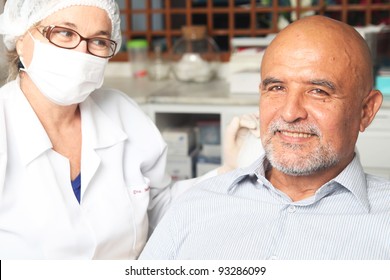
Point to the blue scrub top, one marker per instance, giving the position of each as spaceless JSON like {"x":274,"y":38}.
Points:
{"x":76,"y":185}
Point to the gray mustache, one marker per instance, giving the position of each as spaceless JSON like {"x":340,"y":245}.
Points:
{"x":280,"y":125}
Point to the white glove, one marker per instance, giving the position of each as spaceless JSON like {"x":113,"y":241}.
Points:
{"x":239,"y":130}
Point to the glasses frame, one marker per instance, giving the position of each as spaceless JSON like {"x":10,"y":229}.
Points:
{"x":46,"y":31}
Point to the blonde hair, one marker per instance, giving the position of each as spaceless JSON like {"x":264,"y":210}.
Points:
{"x":13,"y":65}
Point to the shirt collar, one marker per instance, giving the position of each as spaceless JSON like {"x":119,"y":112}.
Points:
{"x":257,"y":169}
{"x":354,"y":179}
{"x":351,"y":178}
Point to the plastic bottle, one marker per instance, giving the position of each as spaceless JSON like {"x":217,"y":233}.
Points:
{"x":138,"y":56}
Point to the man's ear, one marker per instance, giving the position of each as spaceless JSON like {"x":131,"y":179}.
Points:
{"x":371,"y":104}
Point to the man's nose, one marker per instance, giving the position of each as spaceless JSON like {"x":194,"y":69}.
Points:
{"x":294,"y":107}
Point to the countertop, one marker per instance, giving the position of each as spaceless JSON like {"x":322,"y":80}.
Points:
{"x":145,"y":91}
{"x":173,"y":92}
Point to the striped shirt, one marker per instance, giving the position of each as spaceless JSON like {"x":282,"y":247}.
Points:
{"x":240,"y":215}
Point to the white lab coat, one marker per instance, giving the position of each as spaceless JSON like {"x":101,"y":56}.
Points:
{"x":122,"y":177}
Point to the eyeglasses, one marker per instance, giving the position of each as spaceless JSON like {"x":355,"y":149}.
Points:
{"x":67,"y":38}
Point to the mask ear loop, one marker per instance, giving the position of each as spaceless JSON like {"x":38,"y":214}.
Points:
{"x":18,"y":61}
{"x":21,"y":66}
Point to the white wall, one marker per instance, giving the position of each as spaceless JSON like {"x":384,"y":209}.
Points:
{"x":3,"y":60}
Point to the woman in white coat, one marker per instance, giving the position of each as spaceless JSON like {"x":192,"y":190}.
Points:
{"x":82,"y":176}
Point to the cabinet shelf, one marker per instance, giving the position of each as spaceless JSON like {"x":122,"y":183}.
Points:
{"x":160,"y":21}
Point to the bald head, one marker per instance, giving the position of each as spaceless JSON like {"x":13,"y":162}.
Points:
{"x":316,"y":95}
{"x":332,"y":43}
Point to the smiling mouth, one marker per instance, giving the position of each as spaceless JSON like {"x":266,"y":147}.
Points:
{"x":296,"y":134}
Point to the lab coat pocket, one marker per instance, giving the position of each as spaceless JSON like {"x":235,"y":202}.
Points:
{"x":139,"y":196}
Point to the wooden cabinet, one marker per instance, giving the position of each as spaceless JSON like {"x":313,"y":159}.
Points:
{"x":160,"y":21}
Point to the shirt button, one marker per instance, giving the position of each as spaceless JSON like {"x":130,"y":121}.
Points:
{"x":273,"y":258}
{"x":291,"y":209}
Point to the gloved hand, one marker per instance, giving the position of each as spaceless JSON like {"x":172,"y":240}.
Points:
{"x":237,"y":132}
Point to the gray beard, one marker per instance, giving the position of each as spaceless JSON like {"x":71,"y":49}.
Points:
{"x":321,"y":158}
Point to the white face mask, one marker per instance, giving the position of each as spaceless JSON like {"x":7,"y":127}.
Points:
{"x":64,"y":76}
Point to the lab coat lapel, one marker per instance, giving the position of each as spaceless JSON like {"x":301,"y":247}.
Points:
{"x":31,"y":135}
{"x":3,"y":149}
{"x":98,"y":132}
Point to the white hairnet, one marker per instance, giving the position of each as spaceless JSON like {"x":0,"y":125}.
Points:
{"x":20,"y":15}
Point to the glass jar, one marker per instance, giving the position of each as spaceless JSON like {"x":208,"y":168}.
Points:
{"x":195,"y":57}
{"x":138,"y":55}
{"x":158,"y":68}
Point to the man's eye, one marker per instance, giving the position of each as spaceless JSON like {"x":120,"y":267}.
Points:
{"x":276,"y":88}
{"x":319,"y":91}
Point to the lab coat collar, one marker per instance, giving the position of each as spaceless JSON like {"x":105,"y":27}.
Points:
{"x":99,"y":131}
{"x":3,"y":149}
{"x":31,"y":136}
{"x":3,"y":139}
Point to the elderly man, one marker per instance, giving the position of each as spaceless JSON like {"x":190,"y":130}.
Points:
{"x":307,"y":197}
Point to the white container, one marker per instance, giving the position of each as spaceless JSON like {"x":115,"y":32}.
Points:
{"x":180,"y":140}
